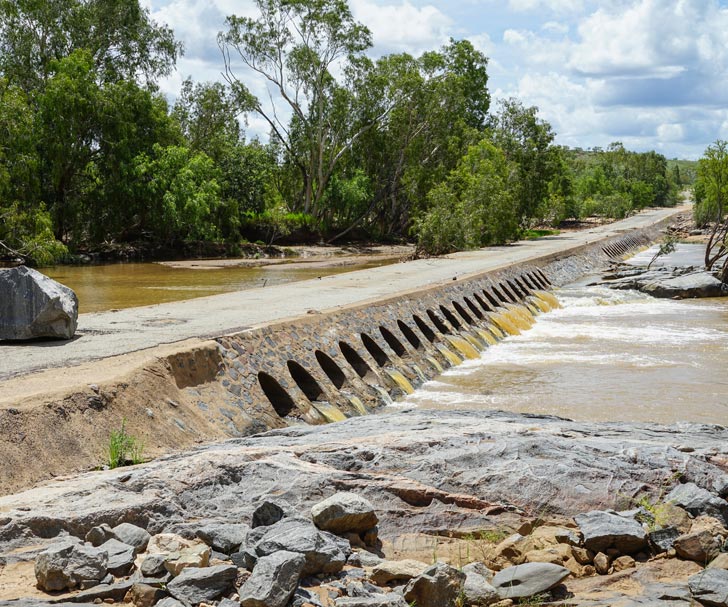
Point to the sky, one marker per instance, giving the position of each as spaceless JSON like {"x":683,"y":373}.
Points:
{"x":652,"y":74}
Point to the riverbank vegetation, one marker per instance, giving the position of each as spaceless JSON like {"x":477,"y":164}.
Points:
{"x":92,"y":155}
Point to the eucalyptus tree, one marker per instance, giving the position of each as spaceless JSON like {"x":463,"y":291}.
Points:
{"x":308,"y":55}
{"x":713,"y":183}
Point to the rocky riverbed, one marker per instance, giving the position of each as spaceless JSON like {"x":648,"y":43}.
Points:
{"x":436,"y":506}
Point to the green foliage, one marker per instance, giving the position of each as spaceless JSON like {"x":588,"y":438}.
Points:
{"x":123,"y":449}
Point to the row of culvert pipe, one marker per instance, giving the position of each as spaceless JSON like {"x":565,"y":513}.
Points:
{"x":337,"y":377}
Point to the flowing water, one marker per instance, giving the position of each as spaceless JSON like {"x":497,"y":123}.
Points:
{"x":605,"y":355}
{"x":125,"y":285}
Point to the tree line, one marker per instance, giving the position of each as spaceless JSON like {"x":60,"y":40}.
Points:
{"x":92,"y":154}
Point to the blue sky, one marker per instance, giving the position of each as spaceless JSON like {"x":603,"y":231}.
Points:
{"x":650,"y":73}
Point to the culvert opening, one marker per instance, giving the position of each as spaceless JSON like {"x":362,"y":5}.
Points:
{"x":278,"y":396}
{"x":332,"y":370}
{"x":544,"y":277}
{"x":379,"y":355}
{"x":441,"y":326}
{"x":460,"y":310}
{"x":516,"y":289}
{"x":491,"y":298}
{"x":524,"y":287}
{"x":396,"y":345}
{"x":528,"y":279}
{"x":425,"y":328}
{"x":473,"y":308}
{"x":360,"y":366}
{"x":482,"y":303}
{"x":308,"y":384}
{"x":451,"y":317}
{"x":410,"y":335}
{"x":509,"y":297}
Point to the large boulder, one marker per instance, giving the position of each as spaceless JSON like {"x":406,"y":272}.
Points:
{"x":197,"y":584}
{"x":606,"y":529}
{"x":34,"y":305}
{"x":439,"y":585}
{"x":710,"y":587}
{"x":523,"y":581}
{"x":133,"y":536}
{"x":274,"y":580}
{"x":70,"y":564}
{"x":224,"y":537}
{"x":324,"y":552}
{"x":344,"y":512}
{"x":477,"y":588}
{"x":120,"y":555}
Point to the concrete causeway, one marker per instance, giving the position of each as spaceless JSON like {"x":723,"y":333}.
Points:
{"x":110,"y":334}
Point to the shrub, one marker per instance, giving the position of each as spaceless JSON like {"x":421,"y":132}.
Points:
{"x":123,"y":449}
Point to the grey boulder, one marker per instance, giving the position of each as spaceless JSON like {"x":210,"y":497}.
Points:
{"x":273,"y":581}
{"x":225,"y":538}
{"x":324,"y":552}
{"x":344,"y":512}
{"x":120,"y":555}
{"x":70,"y":564}
{"x":132,"y":535}
{"x":34,"y":305}
{"x":477,"y":588}
{"x":197,"y":584}
{"x":697,"y":500}
{"x":606,"y":529}
{"x":523,"y":581}
{"x":266,"y":514}
{"x":438,"y":585}
{"x":710,"y":587}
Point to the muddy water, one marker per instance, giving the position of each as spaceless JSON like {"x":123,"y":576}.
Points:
{"x":125,"y":285}
{"x":606,"y":355}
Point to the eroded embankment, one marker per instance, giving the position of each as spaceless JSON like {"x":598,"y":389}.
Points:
{"x":314,"y":369}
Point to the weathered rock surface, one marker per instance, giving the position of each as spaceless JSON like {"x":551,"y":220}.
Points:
{"x":672,"y":283}
{"x":699,"y":546}
{"x":133,"y":536}
{"x":344,"y":512}
{"x":603,"y":530}
{"x":710,"y":587}
{"x":522,"y":581}
{"x":697,"y":500}
{"x":34,"y":305}
{"x":273,"y":581}
{"x":404,"y":570}
{"x":197,"y":584}
{"x":438,"y":585}
{"x":477,"y":587}
{"x":226,"y":538}
{"x":120,"y":557}
{"x":70,"y":564}
{"x":324,"y":552}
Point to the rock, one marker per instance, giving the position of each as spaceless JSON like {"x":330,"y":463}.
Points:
{"x":153,"y":565}
{"x":244,"y":559}
{"x":694,"y":284}
{"x":70,"y":564}
{"x":511,"y":549}
{"x":273,"y":581}
{"x":376,"y":600}
{"x":99,"y":534}
{"x":557,"y":555}
{"x":169,"y":602}
{"x":477,"y":587}
{"x":133,"y":536}
{"x":697,"y":500}
{"x":719,"y":562}
{"x":391,"y":571}
{"x":116,"y":591}
{"x":267,"y":514}
{"x":196,"y":584}
{"x":669,"y":515}
{"x":34,"y":305}
{"x":196,"y":555}
{"x":623,"y":562}
{"x":663,"y":539}
{"x":323,"y":551}
{"x":143,"y":595}
{"x":699,"y":546}
{"x":582,"y":555}
{"x":364,"y":558}
{"x":226,"y":538}
{"x":164,"y":543}
{"x":438,"y":585}
{"x":344,"y":512}
{"x":710,"y":587}
{"x":601,"y":563}
{"x":606,"y":529}
{"x":524,"y":581}
{"x":121,"y":557}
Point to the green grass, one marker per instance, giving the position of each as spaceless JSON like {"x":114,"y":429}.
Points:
{"x":535,"y":234}
{"x":123,"y":449}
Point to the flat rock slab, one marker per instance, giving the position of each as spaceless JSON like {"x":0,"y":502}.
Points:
{"x":523,"y":581}
{"x":603,"y":530}
{"x":710,"y":587}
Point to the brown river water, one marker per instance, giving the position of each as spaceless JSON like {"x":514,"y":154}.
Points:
{"x":126,"y":285}
{"x":605,"y":355}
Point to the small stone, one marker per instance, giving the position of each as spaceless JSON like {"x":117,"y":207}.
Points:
{"x":719,"y":562}
{"x":197,"y":584}
{"x":699,"y":546}
{"x":197,"y":555}
{"x":267,"y":514}
{"x":99,"y":534}
{"x":477,"y":587}
{"x":344,"y":512}
{"x":438,"y":585}
{"x":371,"y":536}
{"x":601,"y":563}
{"x":557,"y":555}
{"x":524,"y":581}
{"x":623,"y":562}
{"x":169,"y":602}
{"x":663,"y":539}
{"x":153,"y":565}
{"x":121,"y":557}
{"x":582,"y":555}
{"x":391,"y":571}
{"x":273,"y":581}
{"x":143,"y":595}
{"x":226,"y":538}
